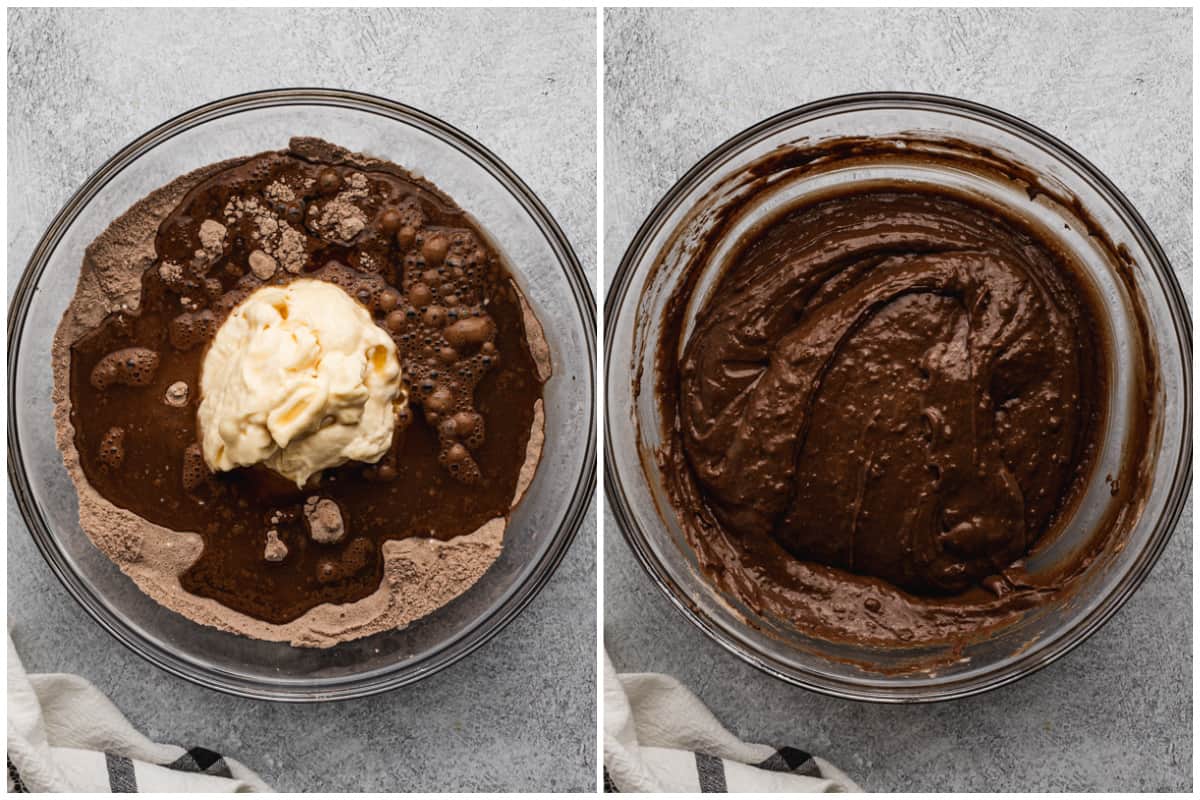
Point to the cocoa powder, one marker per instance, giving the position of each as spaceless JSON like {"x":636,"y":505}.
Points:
{"x":420,"y":575}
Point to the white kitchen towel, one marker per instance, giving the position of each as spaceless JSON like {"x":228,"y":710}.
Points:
{"x":659,"y":737}
{"x":64,"y":735}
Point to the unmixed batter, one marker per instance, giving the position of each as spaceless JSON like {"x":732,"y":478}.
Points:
{"x":299,"y":394}
{"x":892,"y":394}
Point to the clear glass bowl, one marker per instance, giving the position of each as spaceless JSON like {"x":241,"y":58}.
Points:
{"x":542,"y":526}
{"x":661,"y":253}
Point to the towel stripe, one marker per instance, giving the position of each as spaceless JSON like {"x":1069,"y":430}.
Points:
{"x":15,"y":784}
{"x":790,"y":759}
{"x":711,"y":771}
{"x":121,"y":777}
{"x":203,"y":760}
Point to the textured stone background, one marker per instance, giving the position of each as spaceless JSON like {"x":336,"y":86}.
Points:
{"x":1115,"y":714}
{"x":519,"y":714}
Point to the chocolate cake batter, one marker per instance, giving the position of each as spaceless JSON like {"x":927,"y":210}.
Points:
{"x":473,"y":365}
{"x":891,"y":395}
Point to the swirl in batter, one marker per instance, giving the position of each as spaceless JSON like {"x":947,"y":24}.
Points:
{"x":891,"y":395}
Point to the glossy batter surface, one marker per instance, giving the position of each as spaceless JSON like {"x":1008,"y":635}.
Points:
{"x":887,"y":400}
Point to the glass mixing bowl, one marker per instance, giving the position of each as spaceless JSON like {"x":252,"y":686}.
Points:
{"x":661,"y":253}
{"x":542,"y":526}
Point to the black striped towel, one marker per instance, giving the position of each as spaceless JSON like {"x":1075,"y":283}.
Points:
{"x":659,"y":737}
{"x":64,"y":735}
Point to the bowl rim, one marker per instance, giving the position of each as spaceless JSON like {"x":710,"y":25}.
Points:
{"x":1161,"y":269}
{"x":481,"y":630}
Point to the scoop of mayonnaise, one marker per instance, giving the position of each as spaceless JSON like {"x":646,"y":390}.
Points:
{"x":299,"y":378}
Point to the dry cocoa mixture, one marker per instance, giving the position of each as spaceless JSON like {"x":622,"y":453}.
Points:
{"x":366,"y":547}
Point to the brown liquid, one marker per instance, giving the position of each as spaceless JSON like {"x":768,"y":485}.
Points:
{"x":455,"y":459}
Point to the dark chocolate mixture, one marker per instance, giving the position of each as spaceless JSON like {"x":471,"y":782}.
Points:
{"x":430,"y":279}
{"x":889,"y":397}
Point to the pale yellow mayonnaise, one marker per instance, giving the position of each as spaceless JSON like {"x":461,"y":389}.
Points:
{"x":301,"y":379}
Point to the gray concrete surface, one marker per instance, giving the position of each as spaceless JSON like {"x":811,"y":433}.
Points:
{"x":1115,"y":714}
{"x":519,"y":714}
